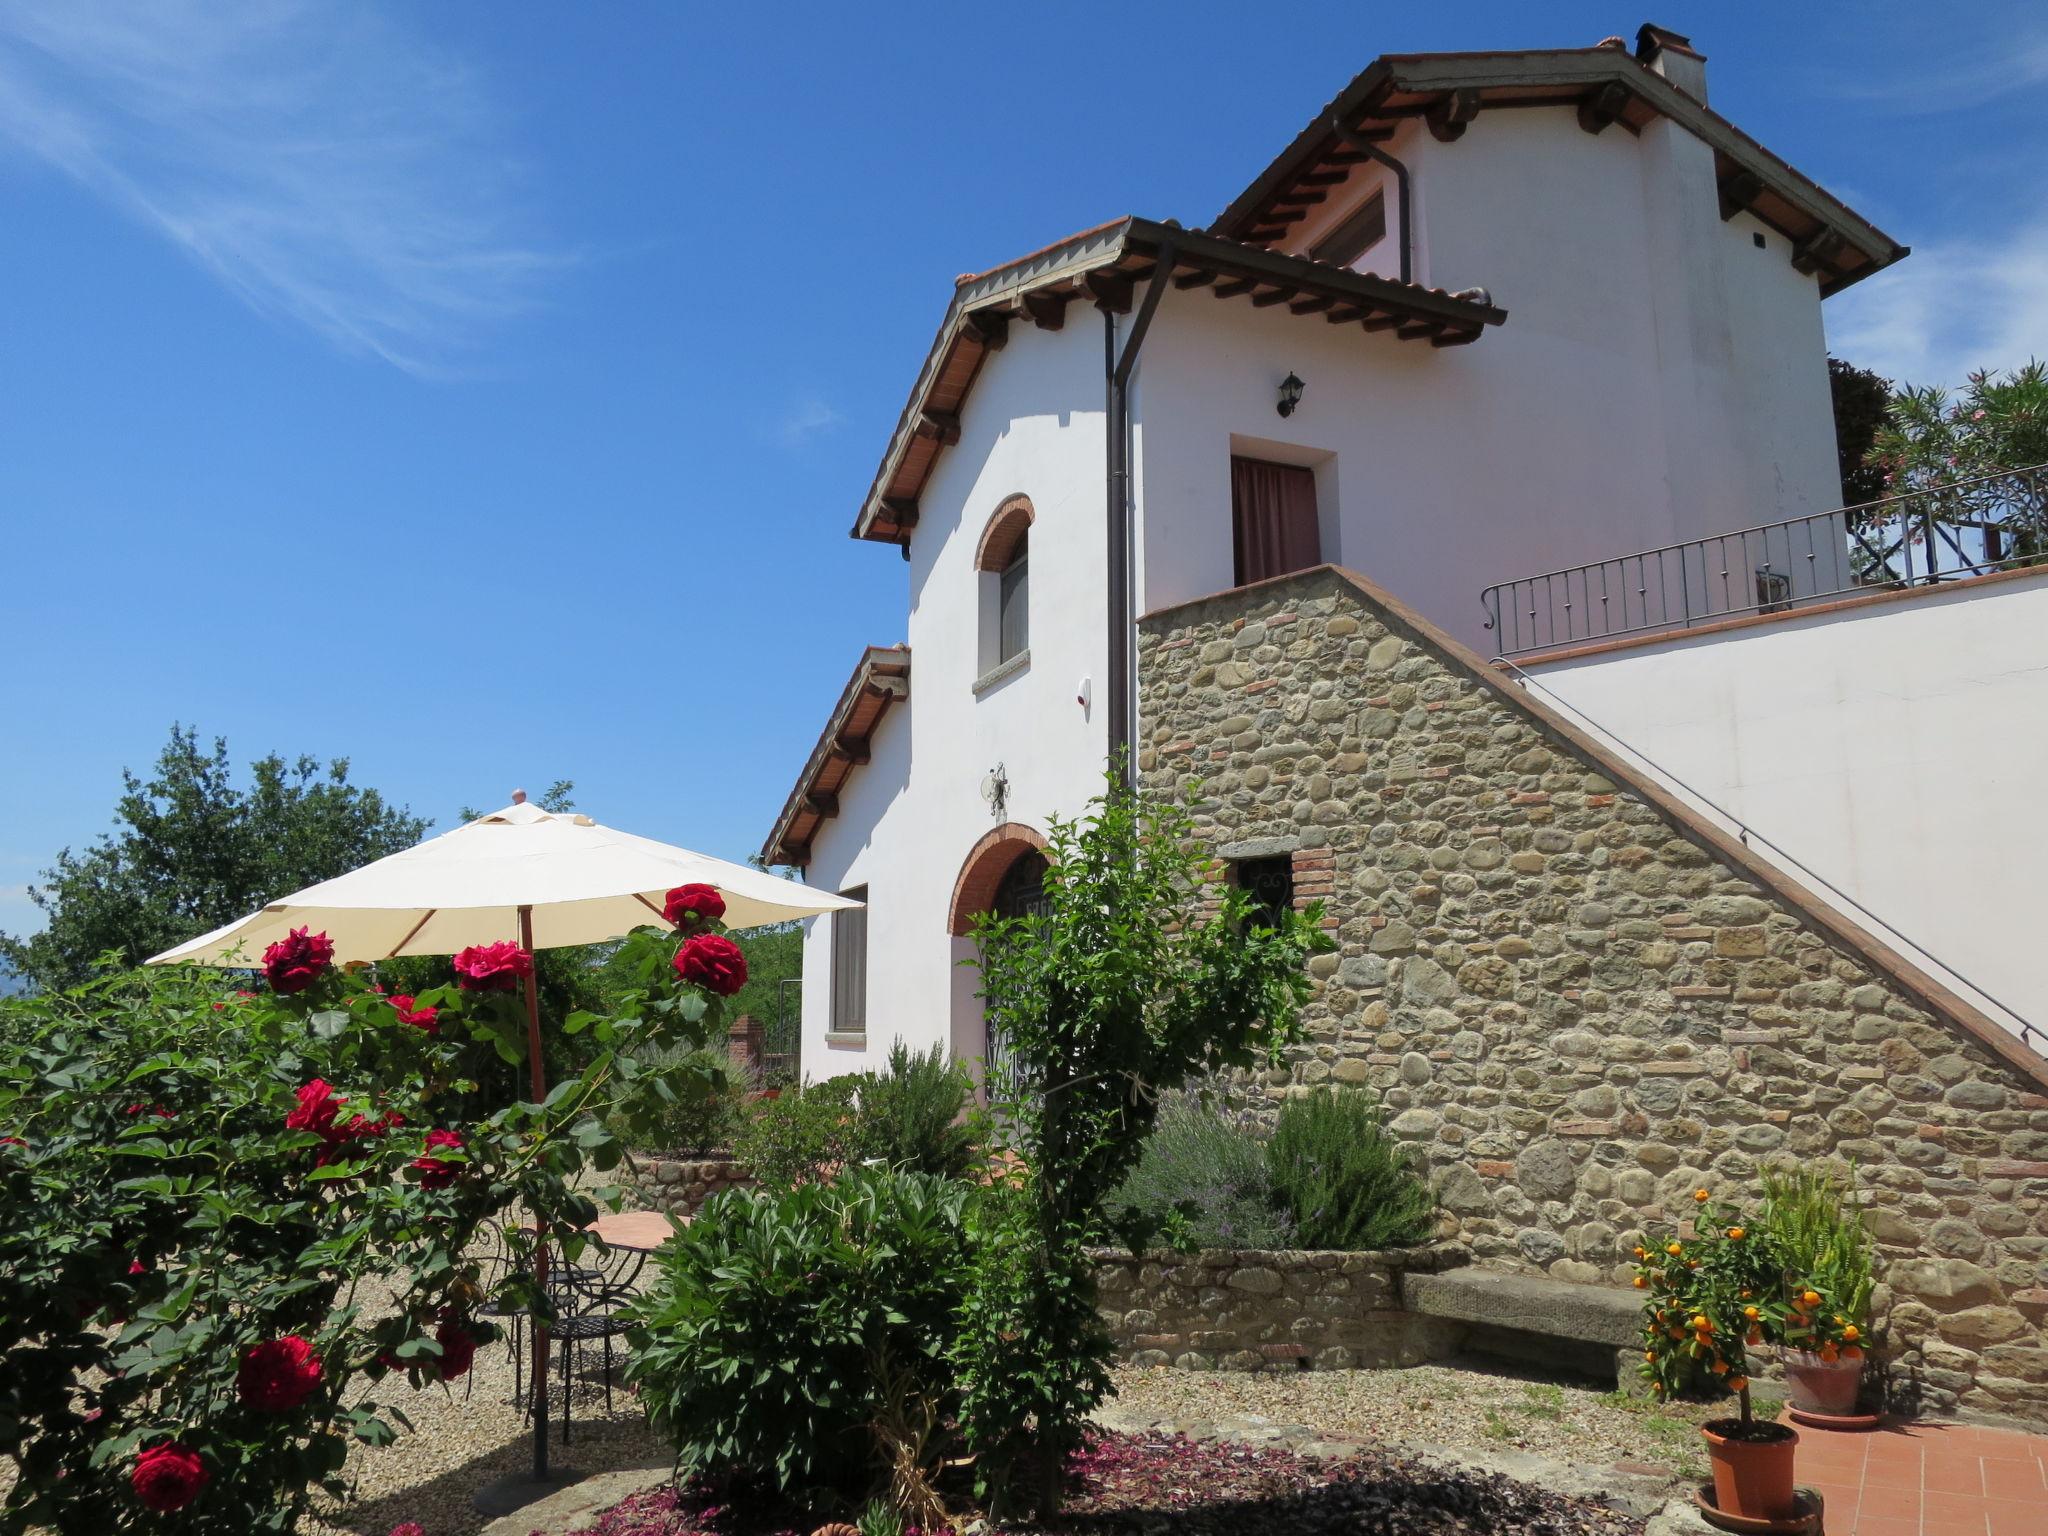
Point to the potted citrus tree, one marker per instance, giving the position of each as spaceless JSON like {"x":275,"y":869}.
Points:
{"x":1712,"y":1297}
{"x":1815,"y":1225}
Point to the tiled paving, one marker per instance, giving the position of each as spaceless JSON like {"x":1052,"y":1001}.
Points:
{"x":1928,"y":1480}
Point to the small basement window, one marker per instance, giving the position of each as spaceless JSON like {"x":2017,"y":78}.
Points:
{"x":1356,"y":235}
{"x":1270,"y":884}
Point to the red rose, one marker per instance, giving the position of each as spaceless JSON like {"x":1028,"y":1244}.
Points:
{"x":279,"y":1375}
{"x":714,"y":963}
{"x":297,"y":960}
{"x":424,"y":1018}
{"x":437,"y":1172}
{"x":317,"y":1109}
{"x":492,"y":967}
{"x":458,"y":1349}
{"x":168,"y":1476}
{"x":691,"y":907}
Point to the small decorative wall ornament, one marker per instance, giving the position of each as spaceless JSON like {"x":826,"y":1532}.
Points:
{"x":1290,"y":394}
{"x":995,"y":789}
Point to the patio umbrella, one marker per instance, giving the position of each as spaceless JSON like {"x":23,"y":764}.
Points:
{"x":547,"y":878}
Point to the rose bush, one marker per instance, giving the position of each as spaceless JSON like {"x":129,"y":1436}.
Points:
{"x":194,"y":1199}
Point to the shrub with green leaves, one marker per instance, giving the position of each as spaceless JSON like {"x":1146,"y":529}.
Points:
{"x":700,"y":1113}
{"x":1346,"y":1182}
{"x":914,"y":1115}
{"x":1814,"y":1221}
{"x":195,"y":1183}
{"x":1203,"y":1181}
{"x":800,"y":1337}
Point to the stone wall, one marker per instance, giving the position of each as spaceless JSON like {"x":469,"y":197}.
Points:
{"x":1579,"y":1001}
{"x":1271,"y":1311}
{"x":679,"y":1186}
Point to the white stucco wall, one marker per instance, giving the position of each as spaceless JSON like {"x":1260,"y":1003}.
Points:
{"x":907,"y":820}
{"x":1895,"y":749}
{"x":1658,"y":379}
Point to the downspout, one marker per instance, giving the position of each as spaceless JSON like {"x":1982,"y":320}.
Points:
{"x":1372,"y":151}
{"x":1116,"y":371}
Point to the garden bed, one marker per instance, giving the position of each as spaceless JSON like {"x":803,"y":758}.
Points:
{"x":1171,"y":1485}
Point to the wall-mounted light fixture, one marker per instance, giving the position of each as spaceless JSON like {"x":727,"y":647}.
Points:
{"x":1290,"y":394}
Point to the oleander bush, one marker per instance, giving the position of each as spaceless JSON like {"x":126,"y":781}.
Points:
{"x":799,"y":1339}
{"x":1346,"y":1182}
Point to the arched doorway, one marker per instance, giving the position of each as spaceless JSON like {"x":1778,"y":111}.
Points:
{"x":1003,"y":873}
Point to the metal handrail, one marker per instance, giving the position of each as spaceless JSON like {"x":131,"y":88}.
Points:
{"x":2030,"y":1033}
{"x":1783,"y":566}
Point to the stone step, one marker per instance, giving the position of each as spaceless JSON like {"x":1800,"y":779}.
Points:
{"x":1588,"y":1314}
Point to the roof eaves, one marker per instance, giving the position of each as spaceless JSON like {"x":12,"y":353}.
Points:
{"x":891,"y":661}
{"x":1590,"y":67}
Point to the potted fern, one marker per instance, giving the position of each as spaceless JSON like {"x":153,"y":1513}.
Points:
{"x":1815,"y":1222}
{"x":1713,"y":1295}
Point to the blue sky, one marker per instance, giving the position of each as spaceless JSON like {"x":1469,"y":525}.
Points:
{"x":482,"y":392}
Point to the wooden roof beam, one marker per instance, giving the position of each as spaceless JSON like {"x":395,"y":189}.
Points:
{"x":1236,"y":286}
{"x":1276,"y":296}
{"x":1344,"y":314}
{"x":853,"y":748}
{"x":1817,"y":250}
{"x":1047,"y":309}
{"x":1603,"y":107}
{"x":823,"y":802}
{"x":1111,"y":290}
{"x":987,"y":327}
{"x":1321,"y":178}
{"x":1419,"y":329}
{"x":1739,"y":191}
{"x":900,"y":510}
{"x":1198,"y":279}
{"x":1454,"y":338}
{"x":1287,"y":200}
{"x":1450,"y":114}
{"x":942,"y":426}
{"x":1310,"y":306}
{"x":1382,"y":322}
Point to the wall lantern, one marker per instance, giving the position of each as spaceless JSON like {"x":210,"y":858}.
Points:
{"x":1290,"y":394}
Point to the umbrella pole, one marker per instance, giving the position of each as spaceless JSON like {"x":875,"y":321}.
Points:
{"x":538,"y":1079}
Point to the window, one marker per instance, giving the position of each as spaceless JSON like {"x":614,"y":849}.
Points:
{"x":850,"y":965}
{"x":1270,"y":884}
{"x":1273,"y":519}
{"x":1356,"y":235}
{"x":1013,"y":604}
{"x":1003,"y":568}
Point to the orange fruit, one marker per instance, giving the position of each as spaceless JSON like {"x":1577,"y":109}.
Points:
{"x":1737,"y":1383}
{"x":1852,"y":1353}
{"x":1811,"y":1298}
{"x":1700,"y":1195}
{"x":1650,"y":1355}
{"x":1852,"y":1333}
{"x":1735,"y":1234}
{"x":1641,"y":1283}
{"x":1751,"y":1313}
{"x":1720,"y":1367}
{"x":1674,"y":1249}
{"x":1828,"y":1353}
{"x":1703,"y":1323}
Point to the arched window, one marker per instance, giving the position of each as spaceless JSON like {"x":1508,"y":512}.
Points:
{"x":1004,"y":563}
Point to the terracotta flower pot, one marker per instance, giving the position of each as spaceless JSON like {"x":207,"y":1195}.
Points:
{"x":1752,"y":1468}
{"x":1814,"y":1385}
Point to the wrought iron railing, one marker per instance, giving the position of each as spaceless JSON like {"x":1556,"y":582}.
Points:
{"x":1938,"y":533}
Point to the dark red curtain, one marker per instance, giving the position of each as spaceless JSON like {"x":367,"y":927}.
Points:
{"x":1273,"y":519}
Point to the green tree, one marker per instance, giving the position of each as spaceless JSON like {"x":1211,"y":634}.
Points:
{"x":1122,"y":988}
{"x":191,"y":850}
{"x":1862,"y":402}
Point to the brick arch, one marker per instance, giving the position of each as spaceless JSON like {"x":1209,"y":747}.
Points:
{"x":1005,"y":531}
{"x":982,"y":871}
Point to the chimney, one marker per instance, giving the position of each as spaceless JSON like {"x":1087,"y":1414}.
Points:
{"x":1673,"y":56}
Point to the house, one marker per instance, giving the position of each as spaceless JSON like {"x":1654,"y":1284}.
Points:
{"x":1218,"y":506}
{"x":1540,"y":306}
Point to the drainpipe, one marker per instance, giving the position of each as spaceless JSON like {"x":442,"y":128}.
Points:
{"x":1372,"y":151}
{"x":1116,"y":371}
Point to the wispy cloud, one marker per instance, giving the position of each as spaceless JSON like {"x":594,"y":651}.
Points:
{"x":327,"y":164}
{"x":1960,"y":86}
{"x":804,"y":420}
{"x":1949,"y":308}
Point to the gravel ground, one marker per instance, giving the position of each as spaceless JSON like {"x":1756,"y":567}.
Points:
{"x":1475,"y":1404}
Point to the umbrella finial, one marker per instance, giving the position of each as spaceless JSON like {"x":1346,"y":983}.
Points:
{"x":519,"y":797}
